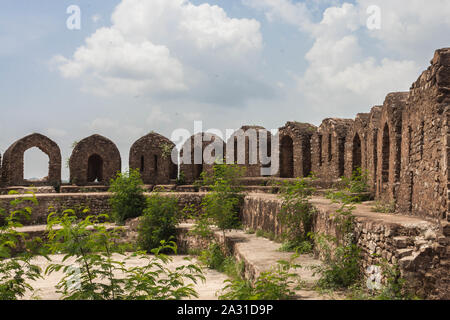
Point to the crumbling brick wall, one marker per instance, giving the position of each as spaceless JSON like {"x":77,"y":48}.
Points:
{"x":295,"y":149}
{"x":13,"y":161}
{"x":389,"y":146}
{"x":94,"y":159}
{"x":152,"y":156}
{"x":250,"y":138}
{"x":356,"y":145}
{"x":328,"y":145}
{"x":201,"y":144}
{"x":424,"y":181}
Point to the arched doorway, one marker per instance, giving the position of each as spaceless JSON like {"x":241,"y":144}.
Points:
{"x":95,"y":168}
{"x":356,"y":153}
{"x":386,"y":148}
{"x":306,"y":157}
{"x":286,"y":157}
{"x":198,"y":169}
{"x":36,"y":165}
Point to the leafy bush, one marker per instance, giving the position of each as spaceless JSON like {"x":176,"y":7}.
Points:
{"x":394,"y":287}
{"x":127,"y":200}
{"x":158,"y":222}
{"x":214,"y":258}
{"x":358,"y":182}
{"x":221,"y":206}
{"x":354,"y":189}
{"x":279,"y":283}
{"x":94,"y":248}
{"x":181,"y":179}
{"x":341,"y":267}
{"x":16,"y":269}
{"x":296,"y":215}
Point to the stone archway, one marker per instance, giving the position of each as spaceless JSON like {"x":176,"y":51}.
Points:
{"x":306,"y":156}
{"x":94,"y":159}
{"x":13,"y":161}
{"x":287,"y":157}
{"x":152,"y":155}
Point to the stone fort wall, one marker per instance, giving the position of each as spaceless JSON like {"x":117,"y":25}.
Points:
{"x":403,"y":145}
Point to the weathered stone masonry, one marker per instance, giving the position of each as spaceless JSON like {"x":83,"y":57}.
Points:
{"x":151,"y":155}
{"x":404,"y":146}
{"x":13,"y":166}
{"x":94,"y":159}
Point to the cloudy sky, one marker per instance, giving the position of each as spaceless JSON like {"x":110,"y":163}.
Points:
{"x":140,"y":65}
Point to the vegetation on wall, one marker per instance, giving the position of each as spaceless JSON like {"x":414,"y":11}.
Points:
{"x":16,"y":268}
{"x":341,"y":256}
{"x":278,"y":283}
{"x":296,"y":215}
{"x":127,"y":200}
{"x":354,"y":189}
{"x":100,"y":275}
{"x":158,"y":222}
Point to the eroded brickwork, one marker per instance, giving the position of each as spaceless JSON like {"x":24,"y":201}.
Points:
{"x":372,"y":146}
{"x":249,"y":138}
{"x":295,"y":149}
{"x":356,"y":145}
{"x":152,"y":156}
{"x":328,"y":148}
{"x":197,"y":146}
{"x":389,"y":146}
{"x":424,"y":181}
{"x":94,"y":159}
{"x":404,"y":146}
{"x":13,"y":165}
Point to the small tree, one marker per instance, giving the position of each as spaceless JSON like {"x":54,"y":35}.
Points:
{"x":296,"y":215}
{"x":158,"y":222}
{"x":16,"y":269}
{"x":98,"y":274}
{"x":222,"y":204}
{"x":128,"y":200}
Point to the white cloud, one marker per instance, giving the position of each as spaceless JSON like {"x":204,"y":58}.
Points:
{"x":122,"y":66}
{"x":343,"y":76}
{"x":164,"y":47}
{"x":414,"y":28}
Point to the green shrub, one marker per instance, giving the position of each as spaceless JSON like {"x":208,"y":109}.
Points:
{"x":158,"y":222}
{"x":296,"y":214}
{"x":213,"y":257}
{"x":354,"y":189}
{"x":101,"y":276}
{"x":222,"y":204}
{"x":16,"y":269}
{"x":279,"y":283}
{"x":127,"y":200}
{"x":181,"y":179}
{"x":302,"y":247}
{"x":394,"y":287}
{"x":341,"y":267}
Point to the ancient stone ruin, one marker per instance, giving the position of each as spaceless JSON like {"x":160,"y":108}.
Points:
{"x":403,"y":145}
{"x":13,"y":166}
{"x":152,"y":156}
{"x":94,"y":159}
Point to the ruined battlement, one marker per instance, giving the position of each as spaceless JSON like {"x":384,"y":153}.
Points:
{"x":403,"y":145}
